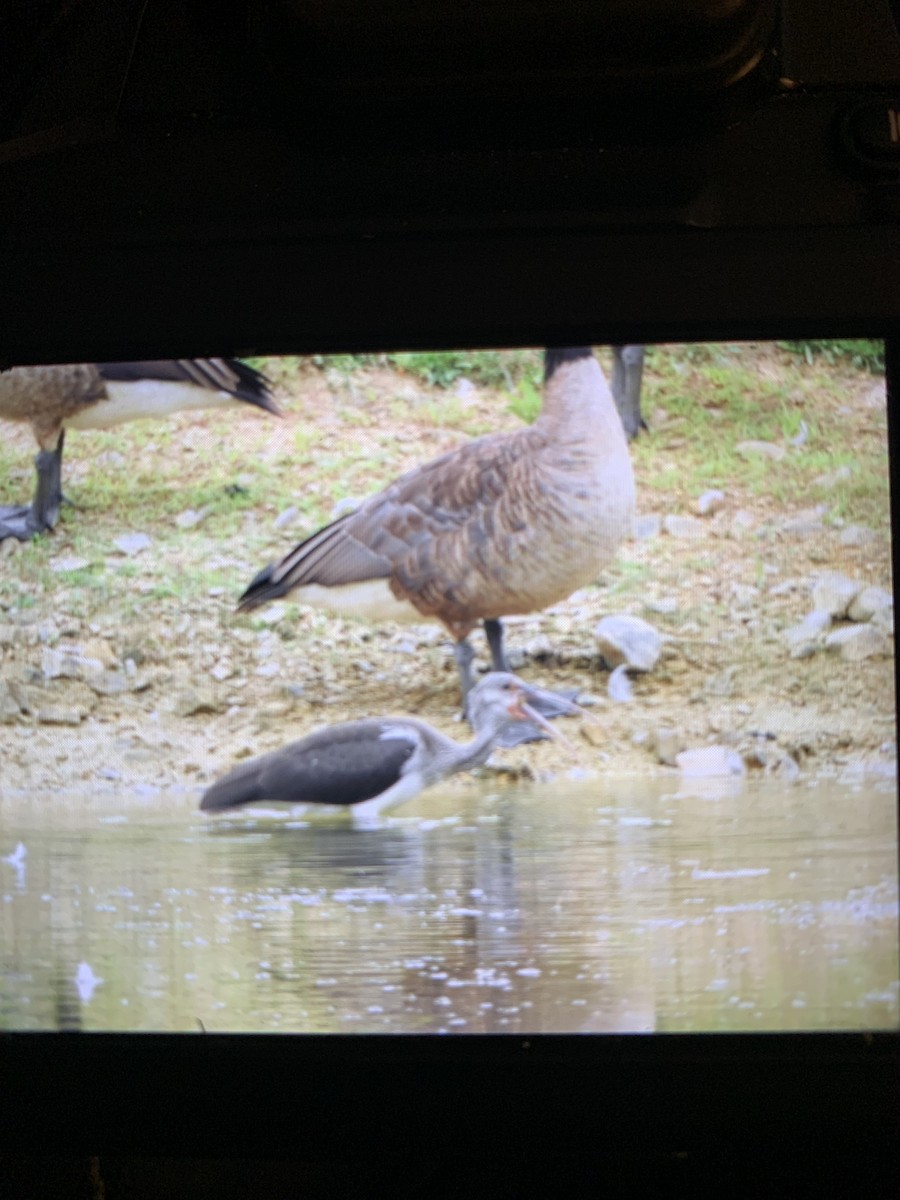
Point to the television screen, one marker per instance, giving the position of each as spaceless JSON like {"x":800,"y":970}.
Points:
{"x":711,"y":843}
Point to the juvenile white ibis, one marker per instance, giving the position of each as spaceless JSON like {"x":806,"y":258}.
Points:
{"x":507,"y":523}
{"x":381,"y":762}
{"x":99,"y":395}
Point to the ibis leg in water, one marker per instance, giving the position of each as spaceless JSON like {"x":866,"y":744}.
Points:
{"x":378,"y":763}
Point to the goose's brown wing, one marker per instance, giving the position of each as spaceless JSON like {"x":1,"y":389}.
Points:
{"x":422,"y":527}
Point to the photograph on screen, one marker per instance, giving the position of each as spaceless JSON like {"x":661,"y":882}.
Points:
{"x":540,"y":690}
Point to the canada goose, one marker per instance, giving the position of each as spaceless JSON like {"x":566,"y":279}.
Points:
{"x":99,"y":395}
{"x":380,"y":762}
{"x":506,"y":523}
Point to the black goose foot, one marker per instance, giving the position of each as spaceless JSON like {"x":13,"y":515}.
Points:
{"x":20,"y":522}
{"x":523,"y":731}
{"x":43,"y":512}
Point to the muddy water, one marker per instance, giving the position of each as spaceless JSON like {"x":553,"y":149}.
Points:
{"x":603,"y":905}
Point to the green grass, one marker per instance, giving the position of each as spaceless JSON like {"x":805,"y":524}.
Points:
{"x":451,"y":412}
{"x":486,"y":368}
{"x":867,"y":353}
{"x":714,"y":401}
{"x":526,"y":401}
{"x":140,"y":477}
{"x":628,"y":578}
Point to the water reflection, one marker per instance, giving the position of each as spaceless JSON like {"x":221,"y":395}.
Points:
{"x":603,"y":906}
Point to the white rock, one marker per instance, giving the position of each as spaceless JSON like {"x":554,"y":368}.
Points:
{"x":876,"y":397}
{"x":68,"y":662}
{"x":869,"y":601}
{"x":807,"y":637}
{"x":856,"y":642}
{"x":833,"y":478}
{"x":107,"y":683}
{"x":804,"y":524}
{"x":539,"y":646}
{"x":834,"y":593}
{"x":710,"y":502}
{"x":683,"y":527}
{"x":347,"y":504}
{"x":801,"y":437}
{"x":619,"y":688}
{"x":646,"y":525}
{"x":883,"y":619}
{"x":192,"y":517}
{"x":132,"y":543}
{"x":665,"y":606}
{"x":755,"y":449}
{"x":858,"y":535}
{"x":286,"y":517}
{"x":667,"y":743}
{"x":623,"y":639}
{"x":744,"y":595}
{"x":741,"y":523}
{"x":68,"y":564}
{"x":273,"y":614}
{"x":9,"y":706}
{"x":57,"y":714}
{"x":817,"y":621}
{"x":707,"y":761}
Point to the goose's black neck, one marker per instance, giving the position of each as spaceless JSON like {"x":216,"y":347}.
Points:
{"x":555,"y":356}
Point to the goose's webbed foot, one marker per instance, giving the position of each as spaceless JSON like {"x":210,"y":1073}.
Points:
{"x":20,"y":522}
{"x":26,"y":522}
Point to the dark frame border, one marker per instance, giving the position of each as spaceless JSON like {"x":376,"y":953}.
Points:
{"x":389,"y":1098}
{"x":384,"y":1097}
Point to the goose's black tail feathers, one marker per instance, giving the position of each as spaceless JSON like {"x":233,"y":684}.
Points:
{"x":262,"y":588}
{"x":230,"y":375}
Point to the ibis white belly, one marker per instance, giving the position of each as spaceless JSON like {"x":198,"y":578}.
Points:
{"x":404,"y":789}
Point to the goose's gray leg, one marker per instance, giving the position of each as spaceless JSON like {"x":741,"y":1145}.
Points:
{"x":25,"y":522}
{"x":523,"y":731}
{"x":464,"y":655}
{"x":48,"y":496}
{"x":493,"y":631}
{"x":627,"y":372}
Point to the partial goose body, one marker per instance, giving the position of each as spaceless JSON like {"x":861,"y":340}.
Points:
{"x":101,"y":395}
{"x":375,"y":764}
{"x":504,"y":524}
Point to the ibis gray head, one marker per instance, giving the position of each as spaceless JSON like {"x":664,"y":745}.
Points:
{"x":379,"y":762}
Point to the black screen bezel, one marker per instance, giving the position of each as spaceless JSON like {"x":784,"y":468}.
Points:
{"x":387,"y":1097}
